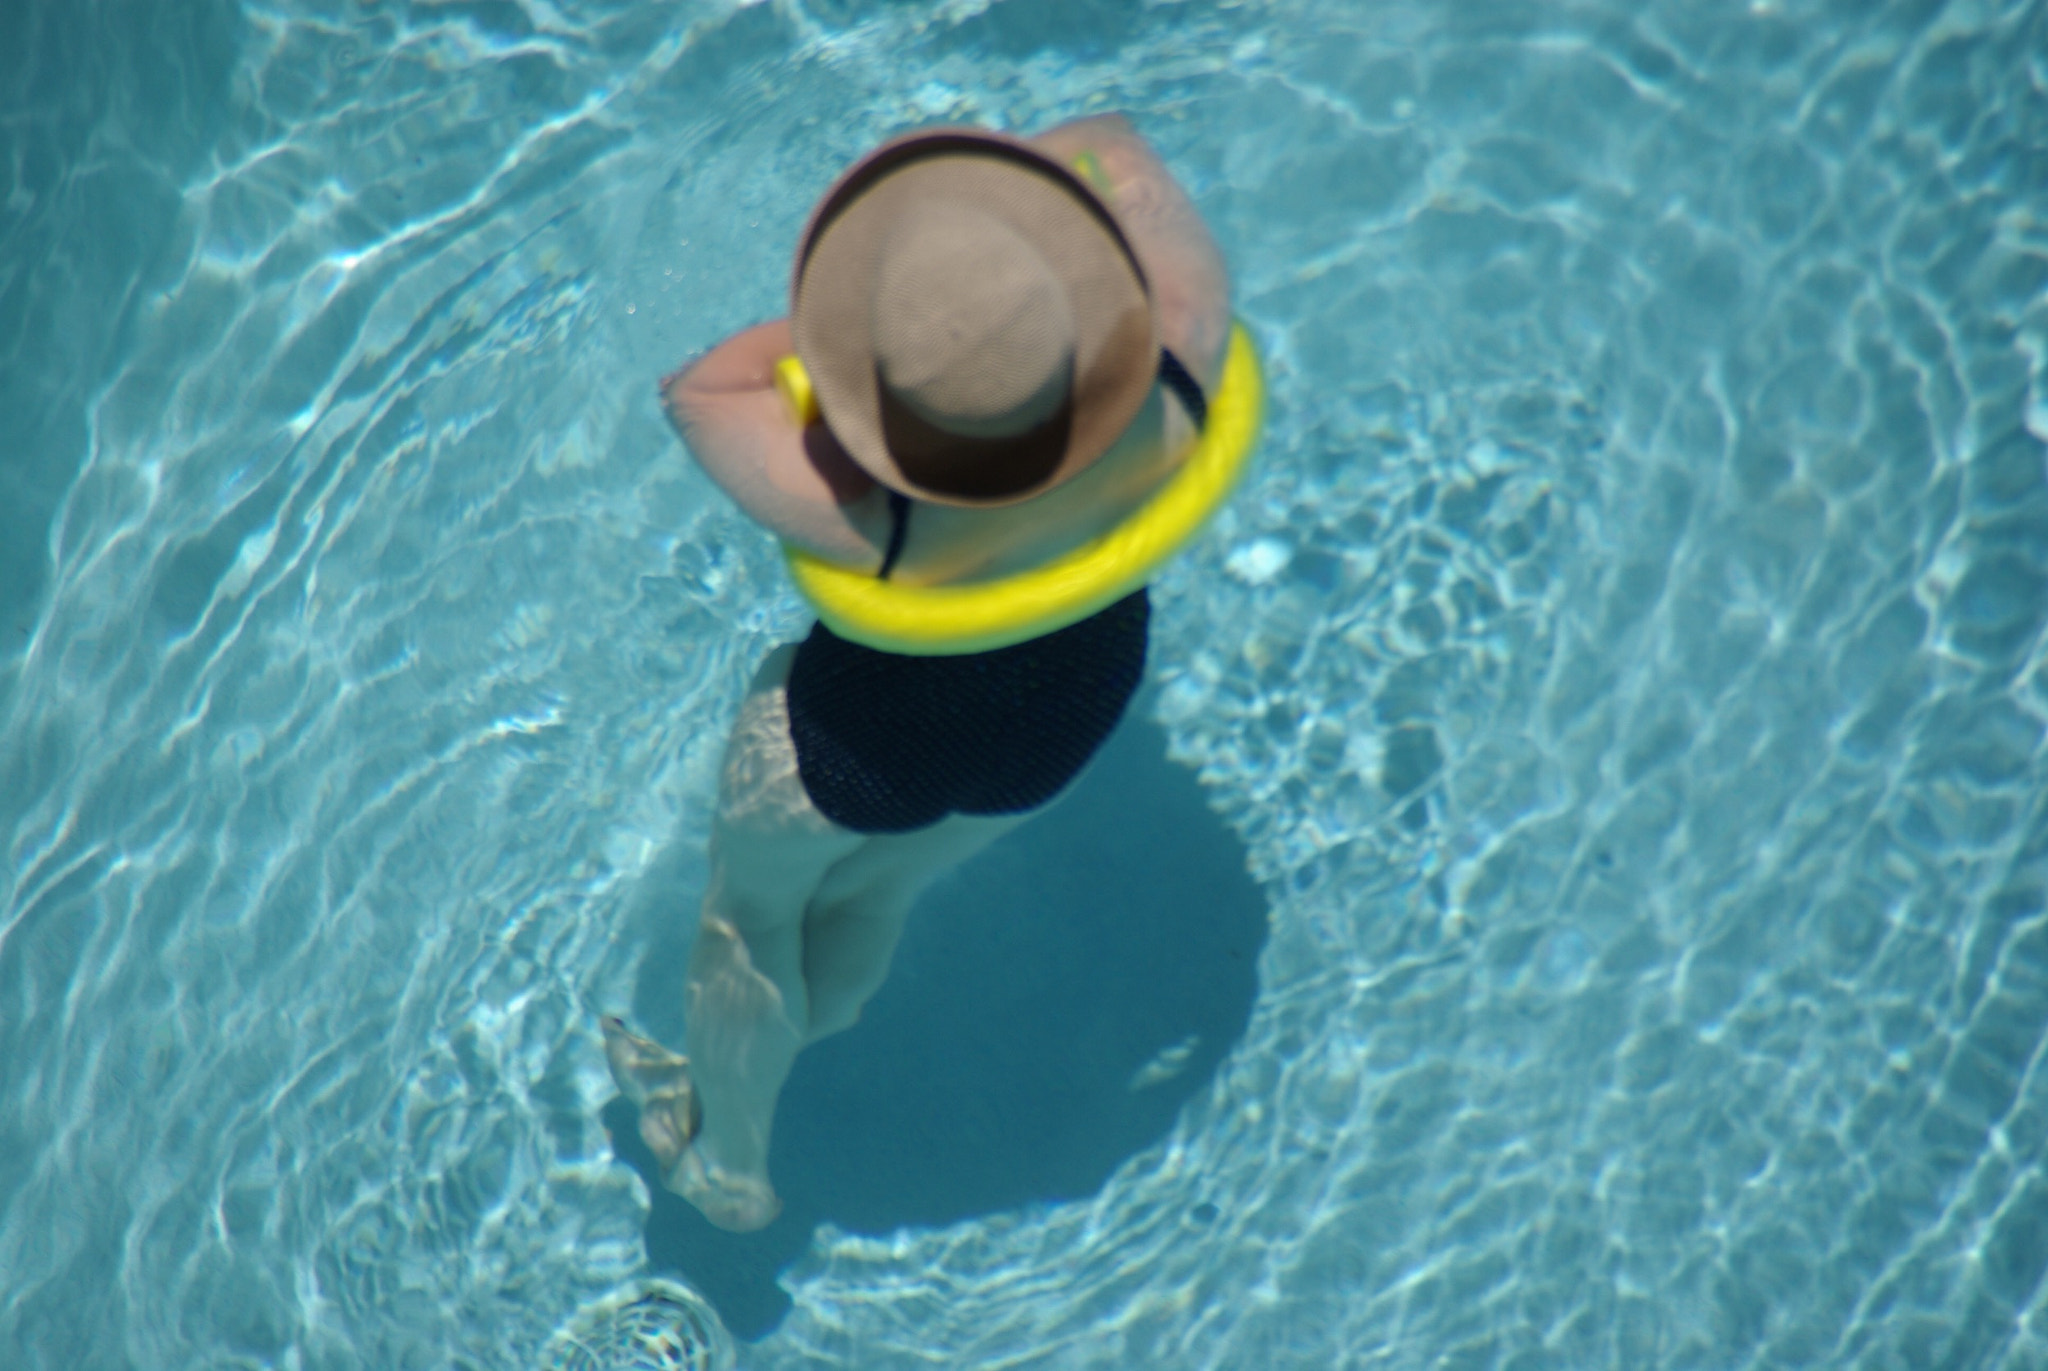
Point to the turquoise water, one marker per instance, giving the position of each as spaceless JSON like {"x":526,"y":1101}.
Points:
{"x":1625,"y":673}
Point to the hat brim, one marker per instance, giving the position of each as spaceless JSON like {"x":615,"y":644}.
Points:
{"x":1115,"y":345}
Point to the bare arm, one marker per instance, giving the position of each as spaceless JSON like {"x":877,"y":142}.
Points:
{"x":1189,"y":283}
{"x":797,"y":482}
{"x":802,"y":486}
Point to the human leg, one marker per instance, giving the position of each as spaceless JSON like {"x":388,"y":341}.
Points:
{"x":853,"y":923}
{"x":707,"y":1117}
{"x":802,"y":916}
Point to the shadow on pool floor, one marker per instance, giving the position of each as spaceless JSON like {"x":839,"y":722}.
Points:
{"x":995,"y":1067}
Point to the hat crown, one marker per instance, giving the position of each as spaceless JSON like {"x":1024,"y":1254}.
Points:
{"x":971,"y":325}
{"x":931,"y":380}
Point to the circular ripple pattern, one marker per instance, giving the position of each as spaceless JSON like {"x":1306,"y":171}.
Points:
{"x":650,"y":1325}
{"x":1626,"y":667}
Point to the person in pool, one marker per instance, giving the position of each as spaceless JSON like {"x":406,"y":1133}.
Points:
{"x":1003,"y":349}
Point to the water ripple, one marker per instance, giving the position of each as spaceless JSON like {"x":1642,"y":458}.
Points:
{"x":1626,"y":669}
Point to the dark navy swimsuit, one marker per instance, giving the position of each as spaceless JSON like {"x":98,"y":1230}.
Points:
{"x":888,"y":743}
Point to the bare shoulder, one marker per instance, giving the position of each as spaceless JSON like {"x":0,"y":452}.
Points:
{"x":1175,"y":247}
{"x":795,"y":481}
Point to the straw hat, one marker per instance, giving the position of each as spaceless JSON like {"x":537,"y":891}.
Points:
{"x":972,"y":317}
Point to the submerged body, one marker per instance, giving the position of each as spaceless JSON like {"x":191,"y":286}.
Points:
{"x":825,"y":833}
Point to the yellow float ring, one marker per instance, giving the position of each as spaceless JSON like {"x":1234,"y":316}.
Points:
{"x":949,"y":620}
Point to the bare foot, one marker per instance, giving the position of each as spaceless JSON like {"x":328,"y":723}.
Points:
{"x":736,"y":1202}
{"x":658,"y":1081}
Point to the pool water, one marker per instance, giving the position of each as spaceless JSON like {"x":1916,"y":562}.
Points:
{"x":1624,"y":673}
